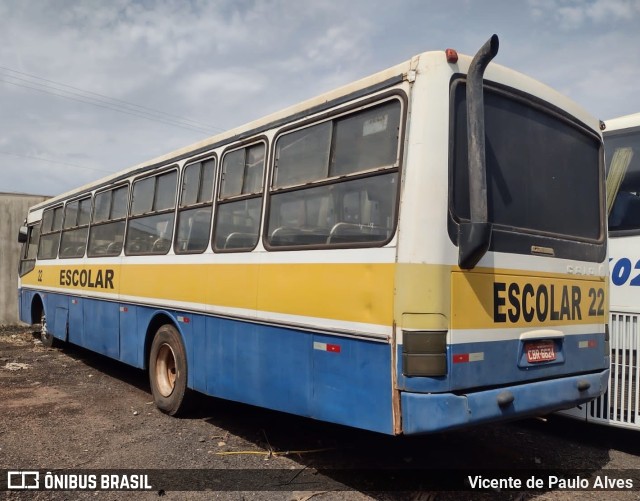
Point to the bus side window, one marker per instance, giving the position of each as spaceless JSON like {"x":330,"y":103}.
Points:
{"x":239,"y":206}
{"x":50,"y":233}
{"x":150,"y":229}
{"x":336,"y":183}
{"x":195,"y":208}
{"x":625,"y":213}
{"x":108,"y":222}
{"x":32,"y":242}
{"x":30,"y":250}
{"x":622,"y":212}
{"x":76,"y":228}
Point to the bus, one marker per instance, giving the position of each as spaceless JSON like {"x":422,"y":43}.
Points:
{"x":618,"y":406}
{"x":421,"y":250}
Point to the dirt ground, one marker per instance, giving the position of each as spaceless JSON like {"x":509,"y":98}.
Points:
{"x":71,"y":409}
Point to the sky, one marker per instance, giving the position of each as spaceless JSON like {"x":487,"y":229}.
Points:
{"x":88,"y":88}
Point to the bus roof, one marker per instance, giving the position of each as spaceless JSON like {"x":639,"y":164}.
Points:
{"x":624,"y":122}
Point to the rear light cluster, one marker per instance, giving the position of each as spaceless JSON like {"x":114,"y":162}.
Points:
{"x":424,"y":353}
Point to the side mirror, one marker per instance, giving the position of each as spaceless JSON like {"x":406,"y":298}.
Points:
{"x":23,"y":234}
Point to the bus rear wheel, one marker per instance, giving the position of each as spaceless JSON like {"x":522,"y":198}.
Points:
{"x":168,"y":371}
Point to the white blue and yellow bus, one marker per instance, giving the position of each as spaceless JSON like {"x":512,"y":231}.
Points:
{"x":421,"y":250}
{"x":619,"y":406}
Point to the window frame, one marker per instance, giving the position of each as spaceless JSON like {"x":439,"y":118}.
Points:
{"x":198,"y":205}
{"x":28,"y":264}
{"x":344,"y":112}
{"x":53,"y":208}
{"x":130,"y":217}
{"x":93,"y":224}
{"x":76,"y":226}
{"x":218,"y":201}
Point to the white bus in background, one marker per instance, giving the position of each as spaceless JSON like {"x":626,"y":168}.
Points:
{"x":619,"y":406}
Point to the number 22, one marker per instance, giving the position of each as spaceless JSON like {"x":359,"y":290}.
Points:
{"x":595,"y":295}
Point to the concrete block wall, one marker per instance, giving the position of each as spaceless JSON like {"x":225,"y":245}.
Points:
{"x":13,"y":210}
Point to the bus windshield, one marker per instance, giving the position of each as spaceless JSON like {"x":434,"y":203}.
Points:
{"x":541,"y":168}
{"x":622,"y":151}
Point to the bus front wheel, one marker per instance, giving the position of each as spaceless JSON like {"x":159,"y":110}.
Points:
{"x":168,"y":370}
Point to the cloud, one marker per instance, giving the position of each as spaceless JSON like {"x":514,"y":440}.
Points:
{"x":220,"y":63}
{"x":229,"y":62}
{"x":235,"y":83}
{"x":573,"y":14}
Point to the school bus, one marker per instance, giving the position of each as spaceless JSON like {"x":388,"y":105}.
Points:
{"x":420,"y":250}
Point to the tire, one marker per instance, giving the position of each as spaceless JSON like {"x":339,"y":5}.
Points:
{"x":168,"y":371}
{"x":46,"y":337}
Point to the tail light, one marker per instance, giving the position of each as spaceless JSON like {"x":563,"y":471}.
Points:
{"x":424,"y":353}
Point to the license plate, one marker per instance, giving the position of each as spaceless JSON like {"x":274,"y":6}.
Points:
{"x":540,"y":351}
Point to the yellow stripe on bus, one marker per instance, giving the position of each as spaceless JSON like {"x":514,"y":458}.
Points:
{"x":361,"y":292}
{"x":353,"y":292}
{"x":418,"y":295}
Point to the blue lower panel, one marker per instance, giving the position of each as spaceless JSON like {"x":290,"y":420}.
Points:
{"x":352,"y":386}
{"x":505,"y":362}
{"x":330,"y":378}
{"x":76,"y":320}
{"x":424,"y":413}
{"x":251,"y":363}
{"x":101,"y":332}
{"x":131,"y":338}
{"x":341,"y":380}
{"x":56,"y":310}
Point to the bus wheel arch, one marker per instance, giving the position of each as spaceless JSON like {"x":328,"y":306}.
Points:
{"x":167,"y":366}
{"x":38,"y":317}
{"x":37,"y":309}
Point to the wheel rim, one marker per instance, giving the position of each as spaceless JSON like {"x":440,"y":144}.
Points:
{"x":166,"y":371}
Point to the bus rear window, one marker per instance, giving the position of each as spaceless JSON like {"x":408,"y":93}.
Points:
{"x":543,"y":172}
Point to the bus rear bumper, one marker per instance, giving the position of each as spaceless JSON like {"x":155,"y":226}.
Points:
{"x":426,"y":413}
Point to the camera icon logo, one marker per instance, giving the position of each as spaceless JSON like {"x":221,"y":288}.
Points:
{"x":19,"y":480}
